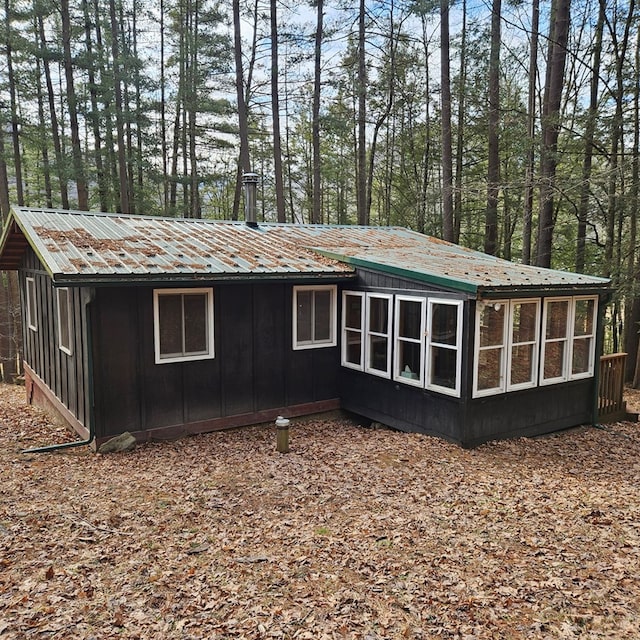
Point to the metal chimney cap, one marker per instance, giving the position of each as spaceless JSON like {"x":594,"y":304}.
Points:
{"x":250,"y":177}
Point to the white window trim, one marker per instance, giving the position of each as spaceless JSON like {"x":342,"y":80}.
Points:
{"x":591,"y":336}
{"x":318,"y":344}
{"x":32,"y":317}
{"x":501,"y":388}
{"x":536,"y":345}
{"x":388,"y":335}
{"x":64,"y":348}
{"x":568,"y":339}
{"x":397,"y":373}
{"x":156,"y":326}
{"x":343,"y":355}
{"x":458,"y":347}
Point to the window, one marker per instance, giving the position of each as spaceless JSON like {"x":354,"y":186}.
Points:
{"x":183,"y":324}
{"x":444,"y":342}
{"x":64,"y":320}
{"x":568,"y":347}
{"x":524,"y":322}
{"x":583,"y":345}
{"x":409,"y":340}
{"x":314,"y":317}
{"x":489,"y":370}
{"x":378,"y":345}
{"x":32,"y":316}
{"x":353,"y":327}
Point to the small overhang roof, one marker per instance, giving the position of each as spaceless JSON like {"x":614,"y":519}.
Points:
{"x":86,"y":247}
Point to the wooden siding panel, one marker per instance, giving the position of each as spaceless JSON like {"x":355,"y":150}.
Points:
{"x":271,"y":317}
{"x":202,"y":396}
{"x":235,"y":347}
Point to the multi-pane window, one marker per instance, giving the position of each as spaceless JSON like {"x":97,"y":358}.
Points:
{"x":314,"y":321}
{"x":64,"y":320}
{"x":378,"y":334}
{"x":444,"y":346}
{"x":568,"y":348}
{"x":582,"y":349}
{"x":32,"y":309}
{"x":353,"y":327}
{"x":409,"y":340}
{"x":491,"y":323}
{"x":183,"y":324}
{"x":523,"y":348}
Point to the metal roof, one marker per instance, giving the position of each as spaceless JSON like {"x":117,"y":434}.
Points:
{"x":85,"y":247}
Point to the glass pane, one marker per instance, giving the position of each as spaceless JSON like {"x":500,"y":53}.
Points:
{"x":378,"y":353}
{"x":489,"y":368}
{"x":353,"y":312}
{"x":195,"y":323}
{"x":409,"y":359}
{"x":492,"y":325}
{"x":354,"y":347}
{"x":444,"y":323}
{"x":584,"y":318}
{"x":581,"y":353}
{"x":170,"y":320}
{"x":557,"y":319}
{"x":443,"y":367}
{"x":554,"y":359}
{"x":524,"y":322}
{"x":303,"y":315}
{"x":322,"y":319}
{"x":522,"y":364}
{"x":410,"y":319}
{"x":63,"y":310}
{"x":378,"y":315}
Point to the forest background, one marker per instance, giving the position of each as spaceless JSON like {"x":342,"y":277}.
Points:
{"x":509,"y":127}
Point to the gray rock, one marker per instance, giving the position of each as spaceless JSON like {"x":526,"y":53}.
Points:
{"x":124,"y":442}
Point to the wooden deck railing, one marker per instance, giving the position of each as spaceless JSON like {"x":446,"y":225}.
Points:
{"x":611,"y":404}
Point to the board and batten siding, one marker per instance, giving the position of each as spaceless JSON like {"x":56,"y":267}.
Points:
{"x":254,"y":369}
{"x":66,"y":375}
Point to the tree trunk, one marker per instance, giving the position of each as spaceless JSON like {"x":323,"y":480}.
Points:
{"x":361,"y":163}
{"x":447,"y":166}
{"x":316,"y":213}
{"x":493,"y":169}
{"x":554,"y":79}
{"x":462,"y":87}
{"x":76,"y":148}
{"x":275,"y":116}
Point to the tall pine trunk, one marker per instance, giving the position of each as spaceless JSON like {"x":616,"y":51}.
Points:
{"x":275,"y":116}
{"x":316,"y":213}
{"x":447,"y":161}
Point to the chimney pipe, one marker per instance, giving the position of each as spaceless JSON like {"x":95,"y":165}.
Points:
{"x":250,"y":182}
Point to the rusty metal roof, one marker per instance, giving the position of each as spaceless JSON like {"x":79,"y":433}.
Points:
{"x":98,"y":247}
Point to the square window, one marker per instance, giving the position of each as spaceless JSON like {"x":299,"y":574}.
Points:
{"x":444,"y":346}
{"x":314,"y":317}
{"x":409,"y":340}
{"x":183,"y":324}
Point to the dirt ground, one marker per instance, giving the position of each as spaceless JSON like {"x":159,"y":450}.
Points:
{"x":356,"y":533}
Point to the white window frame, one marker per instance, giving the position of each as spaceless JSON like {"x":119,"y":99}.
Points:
{"x":458,"y":346}
{"x":511,"y":344}
{"x":315,"y":344}
{"x":398,"y":374}
{"x":66,"y":348}
{"x":388,"y":335}
{"x":567,"y":338}
{"x":32,"y":304}
{"x":502,"y":385}
{"x":343,"y":356}
{"x":591,"y":336}
{"x":159,"y":359}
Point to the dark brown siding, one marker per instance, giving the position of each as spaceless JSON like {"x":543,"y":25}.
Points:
{"x":66,"y":375}
{"x":254,"y":369}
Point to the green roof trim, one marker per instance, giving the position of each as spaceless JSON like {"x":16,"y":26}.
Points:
{"x":421,"y":276}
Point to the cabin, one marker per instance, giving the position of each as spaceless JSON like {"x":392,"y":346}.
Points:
{"x":164,"y":327}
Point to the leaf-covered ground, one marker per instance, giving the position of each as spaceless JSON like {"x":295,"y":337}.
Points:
{"x":356,"y":533}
